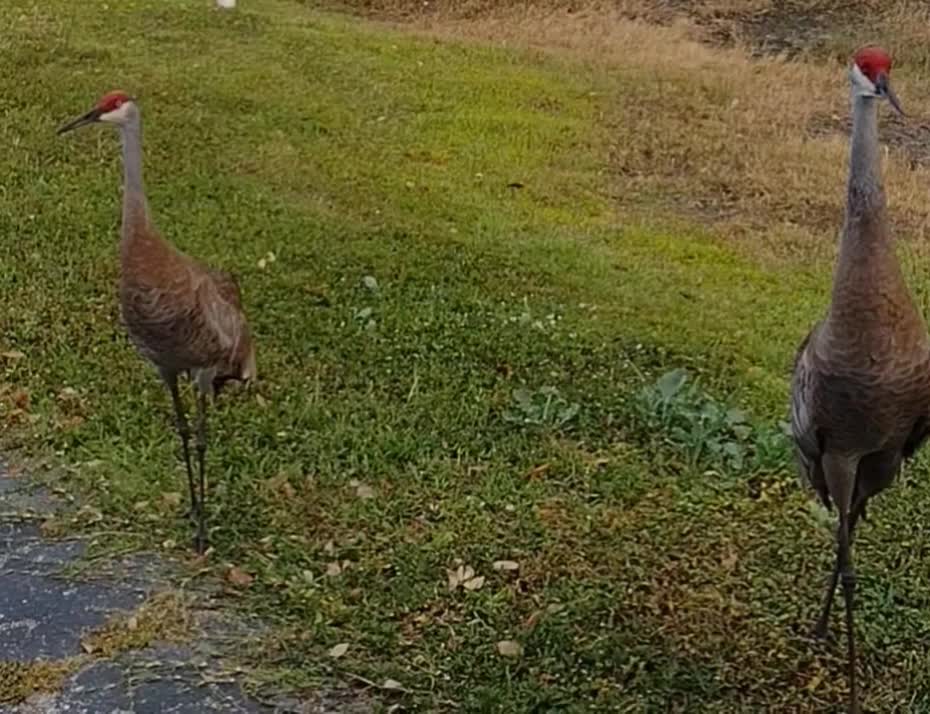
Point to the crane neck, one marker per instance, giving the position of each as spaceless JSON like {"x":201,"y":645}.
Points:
{"x":135,"y":207}
{"x":868,"y":276}
{"x":866,"y":240}
{"x":865,"y":190}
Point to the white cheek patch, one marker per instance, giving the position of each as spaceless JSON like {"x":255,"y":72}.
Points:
{"x":863,"y":83}
{"x":118,"y":115}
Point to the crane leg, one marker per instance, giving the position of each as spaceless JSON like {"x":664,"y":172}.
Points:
{"x":823,"y":622}
{"x":201,"y":541}
{"x":184,"y":432}
{"x":848,"y":581}
{"x":840,"y":472}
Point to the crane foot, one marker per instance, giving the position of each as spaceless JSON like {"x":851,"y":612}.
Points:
{"x":821,"y":631}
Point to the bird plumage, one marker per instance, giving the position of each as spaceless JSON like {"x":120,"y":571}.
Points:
{"x":860,"y":389}
{"x":182,"y":315}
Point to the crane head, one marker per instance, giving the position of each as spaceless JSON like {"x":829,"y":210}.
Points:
{"x":112,"y":108}
{"x":869,"y":74}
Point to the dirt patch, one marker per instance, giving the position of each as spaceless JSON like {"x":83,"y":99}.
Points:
{"x":767,"y":27}
{"x":725,"y":113}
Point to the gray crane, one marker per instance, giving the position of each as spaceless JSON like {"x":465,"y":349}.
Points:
{"x":860,"y":393}
{"x":183,"y":316}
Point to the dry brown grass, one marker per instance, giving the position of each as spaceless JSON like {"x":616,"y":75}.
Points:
{"x":163,"y":617}
{"x":714,"y":135}
{"x":702,"y":127}
{"x":20,"y":680}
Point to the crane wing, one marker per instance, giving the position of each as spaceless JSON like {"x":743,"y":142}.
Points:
{"x":804,"y":432}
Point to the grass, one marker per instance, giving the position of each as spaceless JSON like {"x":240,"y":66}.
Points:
{"x":162,"y":617}
{"x":20,"y":680}
{"x":456,"y":371}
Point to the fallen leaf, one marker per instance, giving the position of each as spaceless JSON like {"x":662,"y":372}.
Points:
{"x":392,"y":684}
{"x":509,"y":648}
{"x":364,"y":491}
{"x":21,"y":399}
{"x":12,"y":354}
{"x":262,"y":402}
{"x":530,"y":622}
{"x":91,"y":514}
{"x":239,"y":577}
{"x":370,"y":282}
{"x":171,"y":498}
{"x":730,"y":560}
{"x":338,"y":650}
{"x":474,"y":583}
{"x":132,"y":623}
{"x":460,"y":575}
{"x":333,"y":569}
{"x":537,"y":471}
{"x":506,"y":565}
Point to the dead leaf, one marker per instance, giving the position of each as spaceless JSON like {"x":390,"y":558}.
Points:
{"x":506,"y":565}
{"x":530,"y":622}
{"x":537,"y":471}
{"x":90,"y":514}
{"x":338,"y":650}
{"x":21,"y":399}
{"x":171,"y":498}
{"x":329,"y":548}
{"x":132,"y":623}
{"x":509,"y":648}
{"x":333,"y":569}
{"x":281,"y":485}
{"x":459,"y":575}
{"x":239,"y":577}
{"x":814,"y":682}
{"x":474,"y":583}
{"x":12,"y":354}
{"x":730,"y":560}
{"x":393,"y":685}
{"x":262,"y":402}
{"x":364,"y":491}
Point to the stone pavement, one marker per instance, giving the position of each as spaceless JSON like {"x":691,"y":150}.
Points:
{"x":44,"y":612}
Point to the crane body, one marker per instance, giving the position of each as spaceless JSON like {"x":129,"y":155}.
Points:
{"x":181,"y":315}
{"x":860,"y":392}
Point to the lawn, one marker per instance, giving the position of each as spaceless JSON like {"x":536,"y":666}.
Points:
{"x":474,"y":251}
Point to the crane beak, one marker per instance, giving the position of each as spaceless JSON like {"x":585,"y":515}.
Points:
{"x":883,"y":85}
{"x":92,"y":116}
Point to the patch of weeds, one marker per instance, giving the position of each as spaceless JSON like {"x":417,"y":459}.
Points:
{"x":677,"y":412}
{"x":541,"y":407}
{"x":19,"y":680}
{"x":163,"y":617}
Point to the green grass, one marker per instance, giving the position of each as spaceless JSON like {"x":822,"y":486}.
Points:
{"x":648,"y":580}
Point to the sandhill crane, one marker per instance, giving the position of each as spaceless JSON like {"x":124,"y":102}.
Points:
{"x":860,"y":394}
{"x":181,"y":315}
